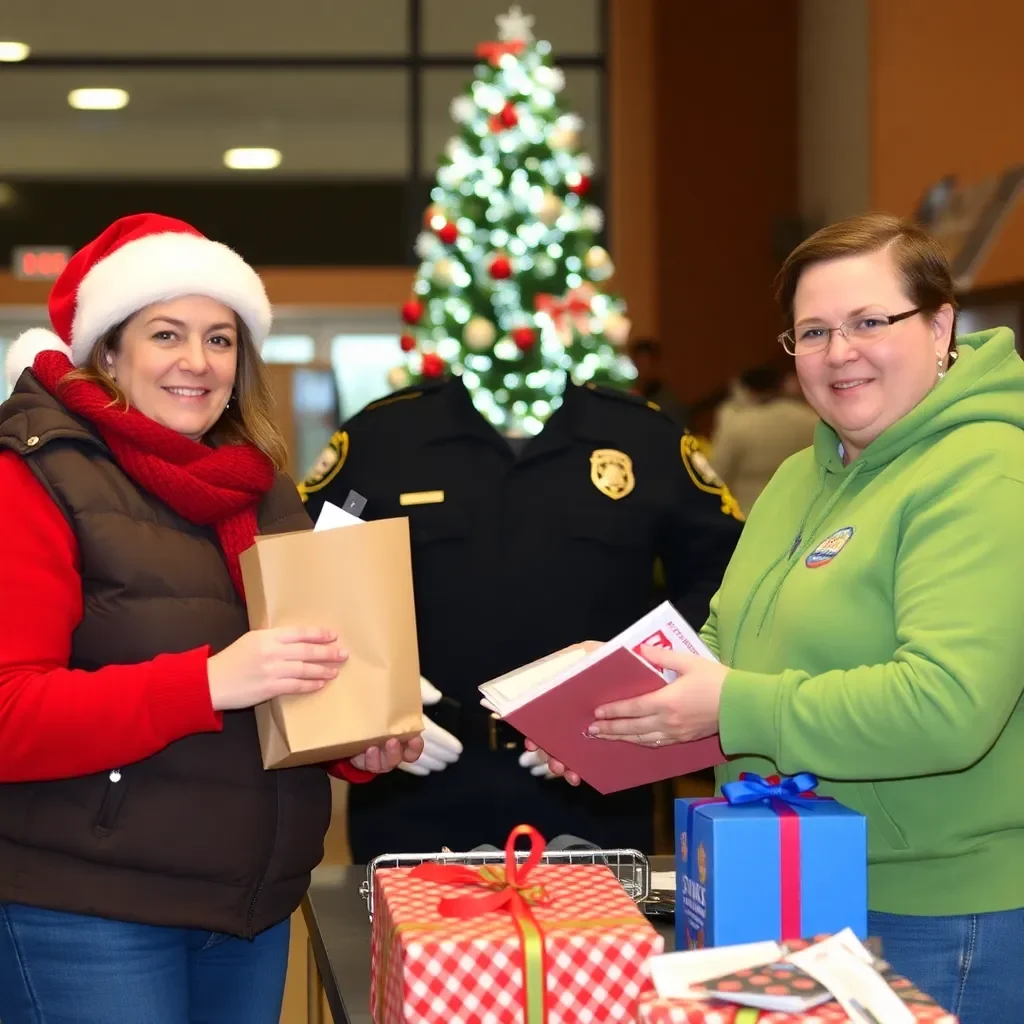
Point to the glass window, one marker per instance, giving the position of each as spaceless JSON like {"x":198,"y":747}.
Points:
{"x":315,"y":415}
{"x":342,"y":123}
{"x":457,"y":26}
{"x":328,"y":86}
{"x":361,"y":363}
{"x":289,"y":348}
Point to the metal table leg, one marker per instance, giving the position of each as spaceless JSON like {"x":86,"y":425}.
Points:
{"x":314,"y":988}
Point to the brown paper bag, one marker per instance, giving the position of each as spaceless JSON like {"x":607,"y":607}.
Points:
{"x":358,"y":581}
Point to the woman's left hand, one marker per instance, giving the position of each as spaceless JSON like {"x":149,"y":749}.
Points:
{"x":385,"y":759}
{"x":686,"y":709}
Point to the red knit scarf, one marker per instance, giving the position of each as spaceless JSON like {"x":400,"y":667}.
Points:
{"x":219,"y":487}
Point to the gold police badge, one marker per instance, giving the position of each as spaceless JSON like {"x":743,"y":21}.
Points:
{"x":703,"y":474}
{"x":611,"y":472}
{"x":328,"y":464}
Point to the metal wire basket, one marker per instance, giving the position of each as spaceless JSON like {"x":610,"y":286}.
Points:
{"x":630,"y":867}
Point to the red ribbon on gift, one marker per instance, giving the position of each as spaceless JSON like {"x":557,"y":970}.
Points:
{"x":493,"y":52}
{"x":509,"y":892}
{"x":789,"y":865}
{"x":575,"y":305}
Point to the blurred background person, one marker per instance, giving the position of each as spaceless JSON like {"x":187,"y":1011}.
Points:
{"x":645,"y":354}
{"x":764,"y":422}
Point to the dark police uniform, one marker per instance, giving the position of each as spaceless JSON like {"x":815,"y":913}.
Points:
{"x":519,"y":551}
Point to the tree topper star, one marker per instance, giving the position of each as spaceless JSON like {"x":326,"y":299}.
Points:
{"x":515,"y":26}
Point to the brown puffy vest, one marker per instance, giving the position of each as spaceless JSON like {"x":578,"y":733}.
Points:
{"x":198,"y":835}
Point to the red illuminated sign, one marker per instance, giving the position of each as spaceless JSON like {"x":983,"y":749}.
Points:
{"x":32,"y":263}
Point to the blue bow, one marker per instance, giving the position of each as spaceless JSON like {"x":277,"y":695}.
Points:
{"x":753,"y":788}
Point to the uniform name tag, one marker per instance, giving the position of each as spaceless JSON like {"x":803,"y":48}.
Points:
{"x":421,"y":498}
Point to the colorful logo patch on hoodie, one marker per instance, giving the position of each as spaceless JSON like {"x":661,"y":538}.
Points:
{"x":829,"y":548}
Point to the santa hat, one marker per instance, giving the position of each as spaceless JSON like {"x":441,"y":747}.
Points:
{"x":138,"y":260}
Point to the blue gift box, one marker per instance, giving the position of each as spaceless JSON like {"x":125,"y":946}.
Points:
{"x":768,"y":860}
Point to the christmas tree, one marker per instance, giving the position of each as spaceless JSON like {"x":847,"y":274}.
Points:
{"x":509,"y":291}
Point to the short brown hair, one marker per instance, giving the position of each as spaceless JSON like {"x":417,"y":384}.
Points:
{"x":918,"y":258}
{"x":249,"y":419}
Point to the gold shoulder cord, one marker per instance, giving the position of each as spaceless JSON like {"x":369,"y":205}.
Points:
{"x":703,"y":474}
{"x":327,"y":466}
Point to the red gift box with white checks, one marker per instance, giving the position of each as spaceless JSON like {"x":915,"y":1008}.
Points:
{"x":429,"y":968}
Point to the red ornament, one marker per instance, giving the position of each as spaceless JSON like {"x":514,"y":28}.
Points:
{"x":448,"y":233}
{"x":500,"y":268}
{"x":508,"y":116}
{"x":412,"y":311}
{"x":493,"y":52}
{"x":408,"y":342}
{"x":524,"y":337}
{"x":582,"y":187}
{"x":433,"y":364}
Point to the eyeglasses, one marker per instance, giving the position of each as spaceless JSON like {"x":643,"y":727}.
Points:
{"x":860,"y":330}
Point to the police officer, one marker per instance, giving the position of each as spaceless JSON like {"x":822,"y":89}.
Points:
{"x":521,"y":547}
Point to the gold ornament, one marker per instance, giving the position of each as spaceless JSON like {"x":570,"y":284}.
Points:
{"x":398,"y":378}
{"x":616,"y":328}
{"x":478,"y":335}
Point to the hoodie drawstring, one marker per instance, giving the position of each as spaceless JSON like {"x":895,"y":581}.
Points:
{"x":801,"y":534}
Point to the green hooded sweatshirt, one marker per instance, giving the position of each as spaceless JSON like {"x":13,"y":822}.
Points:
{"x":873,"y":621}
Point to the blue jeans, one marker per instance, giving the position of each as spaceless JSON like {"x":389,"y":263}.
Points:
{"x":970,"y":965}
{"x":70,"y":969}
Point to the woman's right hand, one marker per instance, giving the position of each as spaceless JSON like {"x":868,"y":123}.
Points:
{"x":267,"y":663}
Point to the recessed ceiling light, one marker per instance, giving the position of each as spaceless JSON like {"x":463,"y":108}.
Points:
{"x":13,"y":52}
{"x":252,"y":159}
{"x":98,"y":99}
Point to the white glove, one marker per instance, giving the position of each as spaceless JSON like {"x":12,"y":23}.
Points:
{"x":440,"y":747}
{"x":530,"y":759}
{"x":538,"y":767}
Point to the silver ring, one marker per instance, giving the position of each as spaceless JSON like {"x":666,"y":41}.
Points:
{"x":657,"y":743}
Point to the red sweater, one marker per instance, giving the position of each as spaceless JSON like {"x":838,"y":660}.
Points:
{"x":56,"y":722}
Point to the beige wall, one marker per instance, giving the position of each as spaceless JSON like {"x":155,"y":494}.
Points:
{"x":947,"y":87}
{"x":895,"y":94}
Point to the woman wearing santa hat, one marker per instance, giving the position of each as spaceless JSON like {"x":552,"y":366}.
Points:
{"x":148,"y":864}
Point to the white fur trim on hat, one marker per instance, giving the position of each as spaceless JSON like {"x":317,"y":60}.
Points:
{"x":23,"y":351}
{"x":157,"y":268}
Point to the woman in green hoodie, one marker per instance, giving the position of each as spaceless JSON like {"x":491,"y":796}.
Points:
{"x":871,"y":623}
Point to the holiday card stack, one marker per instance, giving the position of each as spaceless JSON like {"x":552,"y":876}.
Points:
{"x":523,"y":943}
{"x":693,"y":988}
